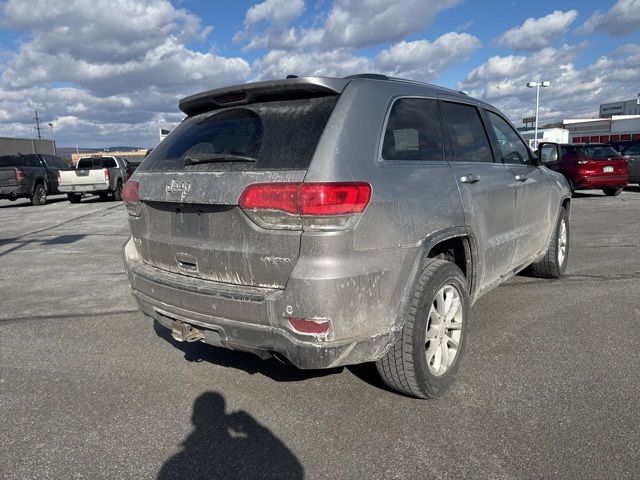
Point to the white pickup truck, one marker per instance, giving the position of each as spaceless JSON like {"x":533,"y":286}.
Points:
{"x":103,"y":176}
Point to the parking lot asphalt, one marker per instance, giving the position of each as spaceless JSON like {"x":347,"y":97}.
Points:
{"x":90,"y":389}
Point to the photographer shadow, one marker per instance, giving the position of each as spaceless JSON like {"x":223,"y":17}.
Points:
{"x":229,"y":445}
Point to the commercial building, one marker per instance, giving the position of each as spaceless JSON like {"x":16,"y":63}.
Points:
{"x":618,"y":127}
{"x":626,"y":107}
{"x":14,"y":146}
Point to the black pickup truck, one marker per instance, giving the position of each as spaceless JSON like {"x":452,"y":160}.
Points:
{"x":32,"y":176}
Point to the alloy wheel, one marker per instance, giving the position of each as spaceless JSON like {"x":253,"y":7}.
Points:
{"x":444,"y":330}
{"x":562,"y":243}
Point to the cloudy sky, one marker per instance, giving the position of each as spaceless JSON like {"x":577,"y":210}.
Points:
{"x":110,"y":72}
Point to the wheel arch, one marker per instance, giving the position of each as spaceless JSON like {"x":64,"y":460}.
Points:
{"x":40,"y":181}
{"x":463,"y":242}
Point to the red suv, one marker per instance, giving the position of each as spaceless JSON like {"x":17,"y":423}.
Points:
{"x":592,"y":166}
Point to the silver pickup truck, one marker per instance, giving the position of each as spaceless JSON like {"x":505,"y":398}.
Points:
{"x":103,"y":176}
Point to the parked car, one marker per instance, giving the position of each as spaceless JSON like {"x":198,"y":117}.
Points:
{"x":103,"y":176}
{"x":335,"y":221}
{"x":630,"y":149}
{"x":32,"y":176}
{"x":593,"y":166}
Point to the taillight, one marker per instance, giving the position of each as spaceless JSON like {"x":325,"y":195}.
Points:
{"x":284,"y":197}
{"x":307,"y":326}
{"x":324,"y":205}
{"x":131,"y":197}
{"x":106,"y":174}
{"x":21,"y":177}
{"x":334,"y":198}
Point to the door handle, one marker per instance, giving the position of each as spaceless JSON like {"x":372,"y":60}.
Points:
{"x":521,"y":178}
{"x":470,"y":178}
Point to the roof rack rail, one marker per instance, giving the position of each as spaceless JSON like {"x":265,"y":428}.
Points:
{"x":371,"y":76}
{"x":291,"y":76}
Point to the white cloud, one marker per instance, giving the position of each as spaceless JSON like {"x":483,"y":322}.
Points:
{"x":537,"y":33}
{"x":622,"y":18}
{"x":101,"y":31}
{"x":573,"y":92}
{"x":348,"y":23}
{"x":339,"y":63}
{"x":276,"y":11}
{"x":274,"y":17}
{"x":122,"y":63}
{"x":514,"y":66}
{"x":360,"y":23}
{"x":418,"y":60}
{"x":424,"y":60}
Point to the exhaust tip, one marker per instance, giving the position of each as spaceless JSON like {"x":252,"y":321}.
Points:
{"x":282,"y":359}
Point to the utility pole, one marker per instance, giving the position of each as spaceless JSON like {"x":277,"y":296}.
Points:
{"x":38,"y":125}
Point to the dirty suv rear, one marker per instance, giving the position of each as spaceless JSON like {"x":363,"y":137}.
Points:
{"x":273,"y":220}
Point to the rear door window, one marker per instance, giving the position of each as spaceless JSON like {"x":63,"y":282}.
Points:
{"x":512,"y":148}
{"x":467,"y":136}
{"x":54,"y":162}
{"x":270,"y":135}
{"x":413,"y":131}
{"x":109,"y":163}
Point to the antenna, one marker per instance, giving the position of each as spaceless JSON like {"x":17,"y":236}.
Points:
{"x":38,"y":125}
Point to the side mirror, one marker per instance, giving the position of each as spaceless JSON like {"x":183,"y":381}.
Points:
{"x":548,"y":153}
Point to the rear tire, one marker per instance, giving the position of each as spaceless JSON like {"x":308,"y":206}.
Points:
{"x":612,"y":192}
{"x":39,"y":196}
{"x":117,"y":193}
{"x":74,"y":197}
{"x":554,"y":262}
{"x":420,"y":362}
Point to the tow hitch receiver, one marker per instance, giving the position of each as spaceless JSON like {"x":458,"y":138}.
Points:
{"x":183,"y":332}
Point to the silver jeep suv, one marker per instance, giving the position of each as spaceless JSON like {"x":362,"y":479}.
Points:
{"x":335,"y":221}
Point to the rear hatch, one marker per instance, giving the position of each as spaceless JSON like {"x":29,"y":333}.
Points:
{"x":190,"y":185}
{"x":602,"y":160}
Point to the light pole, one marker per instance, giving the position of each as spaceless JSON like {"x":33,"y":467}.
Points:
{"x":537,"y":86}
{"x":52,"y":140}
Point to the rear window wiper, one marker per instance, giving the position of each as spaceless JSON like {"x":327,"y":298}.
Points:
{"x":195,"y":159}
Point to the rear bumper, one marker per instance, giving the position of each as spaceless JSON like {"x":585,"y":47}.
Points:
{"x":14,"y":191}
{"x":608,"y":181}
{"x":90,"y":188}
{"x":255,"y":319}
{"x":263,"y":340}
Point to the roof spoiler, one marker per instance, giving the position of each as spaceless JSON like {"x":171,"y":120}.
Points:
{"x":288,"y":89}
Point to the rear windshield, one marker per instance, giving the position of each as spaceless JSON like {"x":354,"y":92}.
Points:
{"x":598,"y":151}
{"x":19,"y":161}
{"x":270,"y":135}
{"x":96,"y":162}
